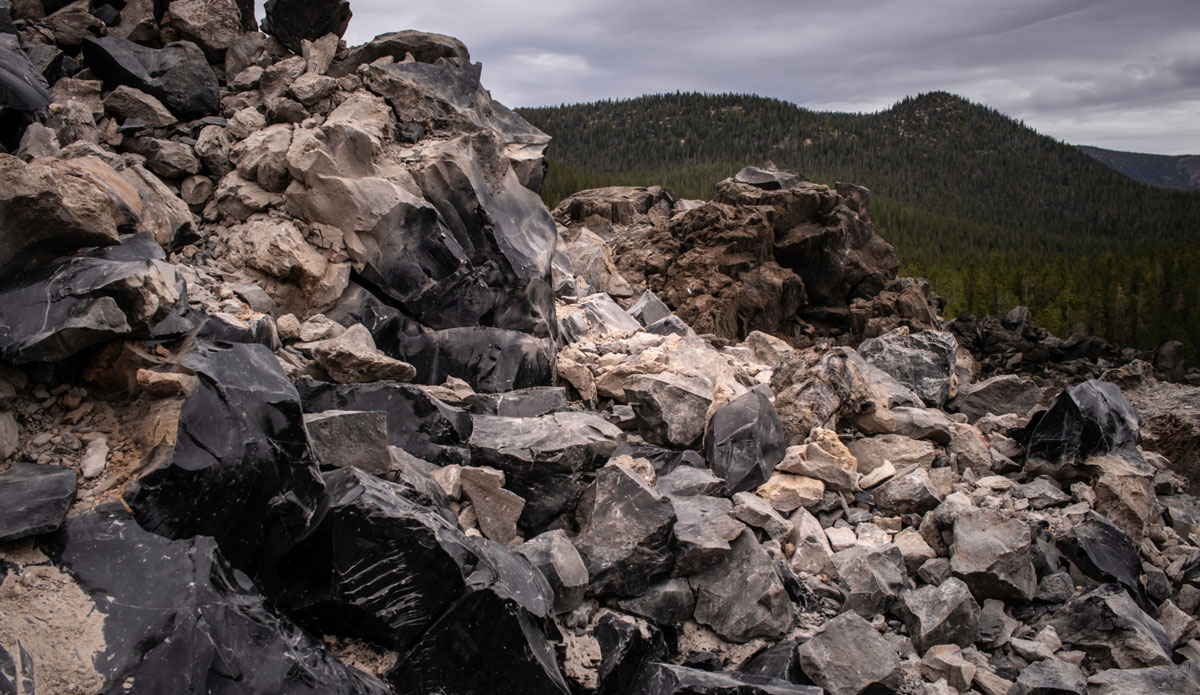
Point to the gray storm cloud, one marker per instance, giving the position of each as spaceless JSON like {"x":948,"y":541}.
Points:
{"x":1118,"y":74}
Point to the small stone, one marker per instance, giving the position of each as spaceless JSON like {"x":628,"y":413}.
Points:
{"x":553,"y":554}
{"x":9,"y":435}
{"x":1050,"y":677}
{"x":934,"y":571}
{"x":94,"y":458}
{"x":497,"y":509}
{"x":130,"y":103}
{"x":449,"y":479}
{"x":943,"y":614}
{"x":848,"y":657}
{"x":786,"y":492}
{"x":34,"y":499}
{"x":841,"y":537}
{"x":343,"y":438}
{"x":946,"y":661}
{"x":165,"y":384}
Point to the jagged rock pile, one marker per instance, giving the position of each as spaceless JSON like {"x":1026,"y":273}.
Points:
{"x":771,"y":252}
{"x":303,"y":390}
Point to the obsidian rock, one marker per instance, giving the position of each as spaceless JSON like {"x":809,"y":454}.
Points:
{"x":417,"y":422}
{"x":34,"y":499}
{"x":744,"y":441}
{"x":665,"y":679}
{"x":23,"y":93}
{"x":491,"y":360}
{"x":1083,"y":421}
{"x":178,"y":74}
{"x":292,"y":21}
{"x":531,"y":402}
{"x":56,"y":309}
{"x":624,"y":652}
{"x":1104,"y":553}
{"x":177,"y":618}
{"x":242,"y":469}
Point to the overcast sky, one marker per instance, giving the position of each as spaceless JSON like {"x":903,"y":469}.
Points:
{"x":1123,"y":74}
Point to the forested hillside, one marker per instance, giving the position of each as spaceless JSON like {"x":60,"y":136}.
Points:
{"x":992,"y":212}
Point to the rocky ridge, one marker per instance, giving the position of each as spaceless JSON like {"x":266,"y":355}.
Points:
{"x":303,"y":390}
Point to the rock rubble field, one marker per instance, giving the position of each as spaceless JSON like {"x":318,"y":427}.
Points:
{"x":304,"y":390}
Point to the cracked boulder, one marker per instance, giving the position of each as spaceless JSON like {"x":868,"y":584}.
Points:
{"x":417,"y":422}
{"x":625,"y":539}
{"x":52,"y":311}
{"x":173,"y":616}
{"x":1093,"y":418}
{"x":848,"y":657}
{"x":548,"y":460}
{"x":671,"y":409}
{"x":923,"y":361}
{"x":741,"y":598}
{"x":874,"y":577}
{"x":1107,"y":625}
{"x":177,"y":74}
{"x":238,"y":466}
{"x":744,"y":441}
{"x":34,"y":499}
{"x":993,"y":555}
{"x":943,"y":614}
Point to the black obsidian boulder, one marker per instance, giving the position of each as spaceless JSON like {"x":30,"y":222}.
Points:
{"x":292,"y":21}
{"x":491,"y":360}
{"x":178,"y":73}
{"x":665,"y":679}
{"x":241,"y":470}
{"x":1104,"y":553}
{"x":56,"y":309}
{"x":744,"y":441}
{"x":548,"y":460}
{"x":417,"y":422}
{"x":1083,"y":421}
{"x":23,"y":93}
{"x":34,"y":499}
{"x":625,"y":651}
{"x":178,"y":619}
{"x":466,"y":615}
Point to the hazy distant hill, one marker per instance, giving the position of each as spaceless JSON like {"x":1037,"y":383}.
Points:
{"x":1167,"y":171}
{"x":992,"y":212}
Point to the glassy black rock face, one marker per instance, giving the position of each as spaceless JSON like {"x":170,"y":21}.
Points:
{"x":178,"y":619}
{"x":178,"y":74}
{"x":57,"y":309}
{"x":242,"y":470}
{"x":292,"y":21}
{"x":417,"y":422}
{"x":491,"y":360}
{"x":467,"y":615}
{"x":665,"y":679}
{"x":744,"y":441}
{"x":34,"y":499}
{"x":1083,"y":421}
{"x":1104,"y":553}
{"x":23,"y":91}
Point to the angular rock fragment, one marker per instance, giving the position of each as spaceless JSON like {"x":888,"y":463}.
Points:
{"x":848,"y":657}
{"x":416,"y":422}
{"x":130,"y":103}
{"x":998,"y":396}
{"x":671,"y":409}
{"x":909,"y":492}
{"x":1114,"y":632}
{"x":25,"y":94}
{"x":667,"y":603}
{"x":824,"y":457}
{"x":703,"y":530}
{"x":818,"y":388}
{"x":1050,"y":677}
{"x":1142,"y":681}
{"x":58,"y":309}
{"x":944,"y":614}
{"x":1102,"y":552}
{"x":548,"y":460}
{"x":945,"y":662}
{"x":491,"y":360}
{"x":923,"y":423}
{"x":688,"y":480}
{"x":34,"y":499}
{"x":293,"y":21}
{"x":342,"y":438}
{"x":624,"y":543}
{"x":1085,"y":420}
{"x":649,"y":309}
{"x":242,"y":470}
{"x":665,"y":679}
{"x":744,"y":441}
{"x":923,"y":361}
{"x":176,"y":617}
{"x":874,"y":577}
{"x":352,"y":358}
{"x":497,"y":509}
{"x":901,"y":452}
{"x":742,"y":598}
{"x":177,"y":74}
{"x":786,"y":492}
{"x":626,"y":648}
{"x":557,"y":559}
{"x":530,"y":402}
{"x":993,"y":555}
{"x":813,"y":553}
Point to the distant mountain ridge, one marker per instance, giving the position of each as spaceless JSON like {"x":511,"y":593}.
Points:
{"x":1163,"y":170}
{"x":992,"y":212}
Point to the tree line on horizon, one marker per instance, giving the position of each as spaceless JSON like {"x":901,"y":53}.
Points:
{"x":993,"y":213}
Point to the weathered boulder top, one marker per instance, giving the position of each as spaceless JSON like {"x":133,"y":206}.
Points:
{"x":304,"y":390}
